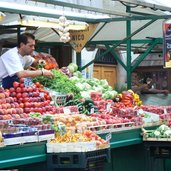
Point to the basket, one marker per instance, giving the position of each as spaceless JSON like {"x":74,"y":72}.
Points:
{"x":58,"y":98}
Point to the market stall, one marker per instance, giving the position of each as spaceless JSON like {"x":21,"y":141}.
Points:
{"x":26,"y":134}
{"x":35,"y":110}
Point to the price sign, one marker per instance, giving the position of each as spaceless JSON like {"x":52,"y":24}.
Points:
{"x":67,"y":110}
{"x":108,"y":107}
{"x":28,"y":82}
{"x":108,"y":136}
{"x":92,"y":110}
{"x":80,"y":37}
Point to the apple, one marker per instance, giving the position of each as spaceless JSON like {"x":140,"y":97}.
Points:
{"x":21,"y":105}
{"x":27,"y":110}
{"x":12,"y":89}
{"x":4,"y":111}
{"x":9,"y":111}
{"x":13,"y":111}
{"x":27,"y":105}
{"x":30,"y":89}
{"x":1,"y":89}
{"x":21,"y":85}
{"x":1,"y":111}
{"x":4,"y":106}
{"x":8,"y":105}
{"x":24,"y":94}
{"x":24,"y":89}
{"x":7,"y":94}
{"x":13,"y":94}
{"x":2,"y":95}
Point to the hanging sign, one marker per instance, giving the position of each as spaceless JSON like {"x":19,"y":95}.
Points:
{"x":167,"y":43}
{"x":80,"y":37}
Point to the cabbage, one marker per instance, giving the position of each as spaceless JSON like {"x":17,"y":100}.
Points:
{"x":109,"y":94}
{"x":80,"y":86}
{"x":77,"y":74}
{"x":104,"y":83}
{"x":85,"y":94}
{"x":74,"y":79}
{"x":73,"y":67}
{"x":86,"y":86}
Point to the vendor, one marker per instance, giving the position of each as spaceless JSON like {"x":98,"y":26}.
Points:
{"x":14,"y":61}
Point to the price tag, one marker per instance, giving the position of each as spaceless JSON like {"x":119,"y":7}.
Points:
{"x":165,"y":111}
{"x":28,"y":82}
{"x":108,"y":107}
{"x":92,"y":110}
{"x":108,"y":136}
{"x":67,"y":110}
{"x":41,"y":94}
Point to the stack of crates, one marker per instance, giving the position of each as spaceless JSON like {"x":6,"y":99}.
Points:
{"x":78,"y":161}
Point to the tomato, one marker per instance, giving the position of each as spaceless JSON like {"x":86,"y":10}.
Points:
{"x":37,"y":84}
{"x":18,"y":95}
{"x":18,"y":90}
{"x":16,"y":84}
{"x":21,"y":85}
{"x":30,"y":89}
{"x":21,"y":80}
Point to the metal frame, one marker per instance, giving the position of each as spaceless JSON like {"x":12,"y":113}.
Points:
{"x":110,"y":45}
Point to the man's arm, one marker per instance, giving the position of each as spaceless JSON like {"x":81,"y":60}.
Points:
{"x":28,"y":73}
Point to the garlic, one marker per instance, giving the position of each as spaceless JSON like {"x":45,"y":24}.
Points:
{"x":63,"y":29}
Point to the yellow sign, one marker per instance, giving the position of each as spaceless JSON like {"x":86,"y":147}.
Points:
{"x":80,"y":37}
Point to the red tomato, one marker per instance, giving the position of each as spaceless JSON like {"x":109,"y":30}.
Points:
{"x":16,"y":84}
{"x":18,"y":90}
{"x":37,"y":84}
{"x":21,"y":80}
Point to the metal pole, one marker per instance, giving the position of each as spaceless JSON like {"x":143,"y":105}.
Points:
{"x":128,"y":32}
{"x":78,"y":60}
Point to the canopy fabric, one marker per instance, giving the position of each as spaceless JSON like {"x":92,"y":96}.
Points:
{"x":113,"y":30}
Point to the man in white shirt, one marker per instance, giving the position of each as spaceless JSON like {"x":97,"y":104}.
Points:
{"x":14,"y":61}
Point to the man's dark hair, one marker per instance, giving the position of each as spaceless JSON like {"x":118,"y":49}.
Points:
{"x":23,"y":38}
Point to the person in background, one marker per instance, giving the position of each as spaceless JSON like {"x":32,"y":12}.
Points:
{"x":151,"y":89}
{"x":14,"y":62}
{"x":137,"y":86}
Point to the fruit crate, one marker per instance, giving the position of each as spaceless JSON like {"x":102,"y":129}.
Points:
{"x":79,"y":160}
{"x":158,"y":149}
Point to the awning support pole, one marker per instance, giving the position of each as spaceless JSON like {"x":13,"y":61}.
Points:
{"x":128,"y":33}
{"x":142,"y":56}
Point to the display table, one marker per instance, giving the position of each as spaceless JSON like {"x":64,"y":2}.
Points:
{"x":24,"y":154}
{"x":154,"y":99}
{"x":127,"y":153}
{"x":158,"y":150}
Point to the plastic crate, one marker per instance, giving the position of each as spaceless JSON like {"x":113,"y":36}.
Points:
{"x":79,"y":160}
{"x":60,"y":99}
{"x":158,"y":149}
{"x":57,"y":97}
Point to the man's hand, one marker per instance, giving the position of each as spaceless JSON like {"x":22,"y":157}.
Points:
{"x":47,"y":73}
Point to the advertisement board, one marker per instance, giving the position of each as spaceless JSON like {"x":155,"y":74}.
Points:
{"x":167,"y":43}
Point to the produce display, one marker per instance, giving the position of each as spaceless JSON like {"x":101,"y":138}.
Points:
{"x":69,"y":109}
{"x":162,"y":133}
{"x":77,"y":142}
{"x":45,"y":61}
{"x":60,"y":83}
